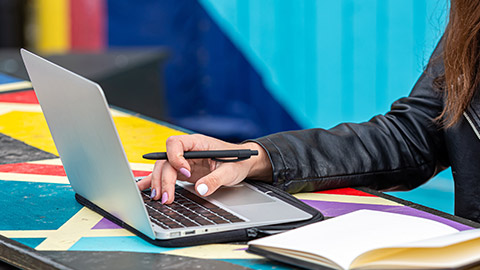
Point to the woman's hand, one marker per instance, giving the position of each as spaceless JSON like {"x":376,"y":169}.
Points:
{"x":206,"y":174}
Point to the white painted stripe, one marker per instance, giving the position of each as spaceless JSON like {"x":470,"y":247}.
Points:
{"x":22,"y":107}
{"x":27,"y":233}
{"x":119,"y":113}
{"x":54,"y":161}
{"x":4,"y":110}
{"x":71,"y":231}
{"x":141,"y":166}
{"x":33,"y":178}
{"x":345,"y":199}
{"x":48,"y":233}
{"x":57,"y":161}
{"x":15,"y":86}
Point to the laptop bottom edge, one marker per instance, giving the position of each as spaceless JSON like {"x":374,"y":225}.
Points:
{"x":244,"y":234}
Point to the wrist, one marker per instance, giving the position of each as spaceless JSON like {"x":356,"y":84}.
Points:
{"x":259,"y":167}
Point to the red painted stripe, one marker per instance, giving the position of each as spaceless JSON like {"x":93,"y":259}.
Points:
{"x":27,"y":168}
{"x":141,"y":173}
{"x":346,"y":191}
{"x":44,"y":169}
{"x":87,"y":28}
{"x":26,"y":97}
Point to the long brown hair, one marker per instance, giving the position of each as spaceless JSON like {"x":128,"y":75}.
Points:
{"x":461,"y":58}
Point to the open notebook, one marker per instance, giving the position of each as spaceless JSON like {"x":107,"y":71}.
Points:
{"x":368,"y":239}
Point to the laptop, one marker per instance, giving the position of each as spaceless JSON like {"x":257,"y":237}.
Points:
{"x":97,"y":168}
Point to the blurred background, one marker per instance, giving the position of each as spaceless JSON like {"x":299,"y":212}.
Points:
{"x":239,"y":69}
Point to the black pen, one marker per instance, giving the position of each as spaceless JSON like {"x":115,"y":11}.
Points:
{"x":217,"y":155}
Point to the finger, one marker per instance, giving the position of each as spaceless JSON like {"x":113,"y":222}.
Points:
{"x":168,"y":179}
{"x":145,"y":182}
{"x":156,"y":189}
{"x":176,"y":146}
{"x":224,"y":175}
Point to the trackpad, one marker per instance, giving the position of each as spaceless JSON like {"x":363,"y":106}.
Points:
{"x":240,"y":195}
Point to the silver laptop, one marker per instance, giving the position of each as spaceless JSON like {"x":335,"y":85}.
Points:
{"x":97,"y":168}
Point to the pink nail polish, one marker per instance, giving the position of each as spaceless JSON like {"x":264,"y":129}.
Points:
{"x":164,"y":197}
{"x":185,"y":172}
{"x":153,"y":193}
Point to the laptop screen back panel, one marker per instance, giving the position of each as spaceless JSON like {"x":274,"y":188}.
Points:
{"x":87,"y":141}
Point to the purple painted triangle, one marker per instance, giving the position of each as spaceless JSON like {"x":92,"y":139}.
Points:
{"x":333,"y":209}
{"x":105,"y":224}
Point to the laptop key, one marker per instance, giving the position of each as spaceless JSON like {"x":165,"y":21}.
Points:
{"x":188,"y":210}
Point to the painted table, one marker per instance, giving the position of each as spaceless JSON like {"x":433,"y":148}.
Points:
{"x":42,"y":226}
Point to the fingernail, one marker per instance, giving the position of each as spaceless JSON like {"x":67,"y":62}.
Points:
{"x":164,"y":197}
{"x":202,"y":189}
{"x":185,"y":172}
{"x":153,"y":193}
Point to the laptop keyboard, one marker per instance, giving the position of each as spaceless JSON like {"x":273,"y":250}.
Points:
{"x":187,"y":210}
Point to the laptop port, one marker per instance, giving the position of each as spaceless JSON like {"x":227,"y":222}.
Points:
{"x":189,"y":232}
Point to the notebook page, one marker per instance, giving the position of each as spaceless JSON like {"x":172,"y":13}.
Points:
{"x":342,"y":239}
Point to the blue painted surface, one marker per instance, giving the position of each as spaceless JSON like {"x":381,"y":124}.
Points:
{"x":211,"y":87}
{"x":259,"y":264}
{"x":7,"y":79}
{"x":438,"y":193}
{"x":31,"y":242}
{"x":124,"y":243}
{"x":334,"y":61}
{"x":35,"y":206}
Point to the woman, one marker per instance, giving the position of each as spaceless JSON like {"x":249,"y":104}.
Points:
{"x":436,"y":126}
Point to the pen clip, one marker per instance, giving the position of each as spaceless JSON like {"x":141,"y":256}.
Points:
{"x":230,"y":160}
{"x":242,"y":155}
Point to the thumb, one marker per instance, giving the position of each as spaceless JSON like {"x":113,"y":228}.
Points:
{"x":222,"y":176}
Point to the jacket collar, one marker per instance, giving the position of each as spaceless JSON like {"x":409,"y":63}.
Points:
{"x":472,"y":114}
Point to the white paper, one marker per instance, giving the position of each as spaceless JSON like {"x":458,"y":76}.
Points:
{"x":342,"y":239}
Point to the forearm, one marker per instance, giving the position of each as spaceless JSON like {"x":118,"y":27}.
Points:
{"x":378,"y":155}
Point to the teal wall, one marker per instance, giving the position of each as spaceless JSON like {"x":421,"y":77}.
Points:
{"x":331,"y":61}
{"x":328,"y":61}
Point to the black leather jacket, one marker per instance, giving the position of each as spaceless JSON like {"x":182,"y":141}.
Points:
{"x":396,"y":151}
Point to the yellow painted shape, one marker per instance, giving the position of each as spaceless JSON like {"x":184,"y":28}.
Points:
{"x":6,"y":107}
{"x":138,"y":136}
{"x":15,"y":86}
{"x":53,"y":21}
{"x":71,"y":231}
{"x":28,"y":127}
{"x":214,"y":251}
{"x":345,"y":199}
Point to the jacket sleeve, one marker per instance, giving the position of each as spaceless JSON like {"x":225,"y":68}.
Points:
{"x":396,"y":151}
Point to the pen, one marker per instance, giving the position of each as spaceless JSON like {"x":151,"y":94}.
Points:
{"x":217,"y":155}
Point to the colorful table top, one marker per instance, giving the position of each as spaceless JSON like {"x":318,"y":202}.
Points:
{"x":39,"y":209}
